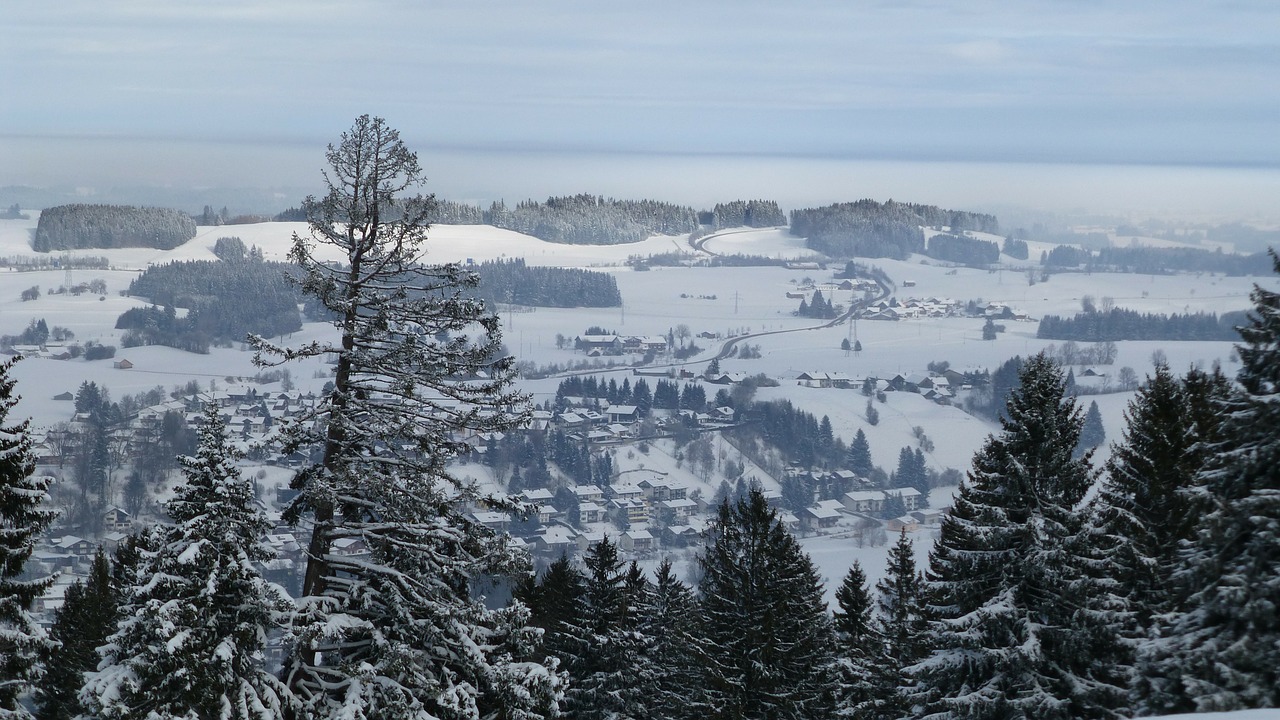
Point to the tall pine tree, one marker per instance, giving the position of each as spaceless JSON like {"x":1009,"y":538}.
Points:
{"x":402,"y":629}
{"x":1222,"y":651}
{"x":860,"y":663}
{"x":23,"y":519}
{"x":767,"y":642}
{"x":197,"y":617}
{"x":1005,"y":584}
{"x":669,"y":670}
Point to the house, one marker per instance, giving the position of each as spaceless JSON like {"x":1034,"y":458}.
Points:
{"x":864,"y":501}
{"x":117,"y":519}
{"x":622,"y":413}
{"x":677,"y":512}
{"x":911,"y":497}
{"x":636,"y":541}
{"x":823,"y":515}
{"x":589,"y":512}
{"x":586,"y":540}
{"x":122,"y":364}
{"x":64,"y":397}
{"x":588,"y":493}
{"x":598,"y":343}
{"x":555,"y":539}
{"x":74,"y":545}
{"x":813,"y":379}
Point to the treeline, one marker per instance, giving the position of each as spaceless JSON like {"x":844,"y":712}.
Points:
{"x":963,"y":250}
{"x":225,"y":301}
{"x":800,"y":436}
{"x":69,"y":227}
{"x":867,"y":228}
{"x":1121,"y":324}
{"x":512,"y":281}
{"x":1154,"y":261}
{"x":748,"y":213}
{"x":593,"y":220}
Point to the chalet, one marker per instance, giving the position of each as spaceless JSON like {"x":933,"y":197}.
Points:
{"x":723,"y":414}
{"x":644,"y":344}
{"x":117,"y":519}
{"x":350,"y":547}
{"x":906,"y":523}
{"x":555,"y":539}
{"x":73,"y":545}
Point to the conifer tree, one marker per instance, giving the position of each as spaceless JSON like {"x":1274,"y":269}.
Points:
{"x":197,"y":617}
{"x":418,"y":365}
{"x":1092,"y":434}
{"x":22,"y":521}
{"x":83,"y":623}
{"x":1222,"y":651}
{"x":767,"y":642}
{"x":1144,"y":511}
{"x":860,"y":660}
{"x":901,"y":604}
{"x":602,"y":679}
{"x":859,"y":459}
{"x":1008,"y":634}
{"x":668,"y":619}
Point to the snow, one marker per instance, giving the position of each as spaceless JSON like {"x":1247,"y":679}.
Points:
{"x":1237,"y":715}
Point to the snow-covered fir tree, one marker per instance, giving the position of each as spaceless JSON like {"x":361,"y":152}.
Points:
{"x":23,"y":519}
{"x":402,"y":631}
{"x":1222,"y":650}
{"x":860,"y":662}
{"x":1092,"y":434}
{"x":1008,"y":632}
{"x":859,"y":457}
{"x":83,"y":623}
{"x":669,"y":671}
{"x":198,"y":614}
{"x":900,"y":603}
{"x":603,"y":677}
{"x":767,"y":641}
{"x":1143,"y":512}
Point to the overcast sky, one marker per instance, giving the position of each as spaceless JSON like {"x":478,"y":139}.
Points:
{"x":189,"y":90}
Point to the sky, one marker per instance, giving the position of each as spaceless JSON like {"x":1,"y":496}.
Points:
{"x":504,"y":97}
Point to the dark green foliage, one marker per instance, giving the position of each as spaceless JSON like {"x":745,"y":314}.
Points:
{"x":1006,"y":586}
{"x":669,"y":672}
{"x":603,"y":683}
{"x":767,"y":641}
{"x":197,"y":613}
{"x":989,"y":330}
{"x":1222,"y":651}
{"x":71,"y":227}
{"x":593,"y":220}
{"x":1121,"y":324}
{"x":963,"y":250}
{"x":83,"y":623}
{"x":859,"y":459}
{"x":819,"y":308}
{"x":226,"y":301}
{"x":22,"y":521}
{"x":1144,"y":511}
{"x":447,"y":212}
{"x":1159,"y":261}
{"x":870,"y":229}
{"x":796,"y":433}
{"x":901,"y":604}
{"x":512,"y":281}
{"x":912,"y":473}
{"x":861,"y":663}
{"x":748,"y":213}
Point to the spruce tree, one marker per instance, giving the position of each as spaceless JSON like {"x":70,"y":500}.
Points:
{"x":1222,"y":650}
{"x":197,"y":616}
{"x":1144,"y":511}
{"x":83,"y":623}
{"x":668,"y":622}
{"x":859,"y":458}
{"x":901,"y":604}
{"x":23,"y":519}
{"x":767,"y":642}
{"x":860,"y":662}
{"x":418,"y":366}
{"x":1005,"y":587}
{"x":1092,"y":434}
{"x":601,"y":680}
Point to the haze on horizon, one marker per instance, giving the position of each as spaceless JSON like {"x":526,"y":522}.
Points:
{"x":1149,"y":108}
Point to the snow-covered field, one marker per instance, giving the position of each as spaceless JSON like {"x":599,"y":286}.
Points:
{"x":725,"y":301}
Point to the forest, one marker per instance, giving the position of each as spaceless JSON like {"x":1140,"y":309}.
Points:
{"x":1122,"y":324}
{"x":77,"y":226}
{"x":593,"y":220}
{"x":225,"y":300}
{"x":867,"y":228}
{"x":515,"y":282}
